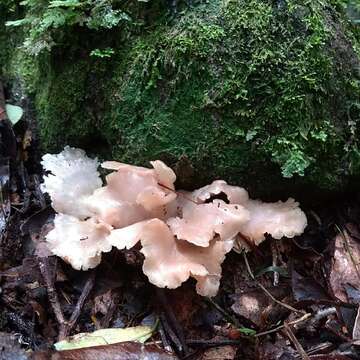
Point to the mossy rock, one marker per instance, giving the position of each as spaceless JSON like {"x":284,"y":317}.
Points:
{"x":262,"y":93}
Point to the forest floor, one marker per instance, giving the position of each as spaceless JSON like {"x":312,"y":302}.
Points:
{"x":288,"y":299}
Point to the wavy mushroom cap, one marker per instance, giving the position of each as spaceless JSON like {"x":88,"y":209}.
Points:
{"x":79,"y":242}
{"x":235,"y":194}
{"x":73,"y":176}
{"x":277,"y":219}
{"x":201,"y":222}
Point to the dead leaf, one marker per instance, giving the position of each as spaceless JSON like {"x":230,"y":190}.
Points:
{"x":329,"y":357}
{"x":105,"y":337}
{"x":253,"y":304}
{"x":306,"y":288}
{"x":26,"y":141}
{"x":123,"y":351}
{"x":227,"y":352}
{"x":280,"y":349}
{"x":343,"y":269}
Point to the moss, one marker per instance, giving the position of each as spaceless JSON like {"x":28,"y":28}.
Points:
{"x":236,"y":85}
{"x":254,"y":91}
{"x":69,"y":104}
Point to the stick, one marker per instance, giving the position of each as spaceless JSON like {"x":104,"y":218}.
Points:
{"x":44,"y":266}
{"x":295,"y":341}
{"x":76,"y":313}
{"x":266,"y":291}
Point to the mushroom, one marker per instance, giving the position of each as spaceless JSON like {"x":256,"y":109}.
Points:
{"x":150,"y":188}
{"x":235,"y":194}
{"x":133,"y":194}
{"x":71,"y":179}
{"x":182,"y":234}
{"x":277,"y":219}
{"x":169,"y":261}
{"x":79,"y":242}
{"x":201,"y":222}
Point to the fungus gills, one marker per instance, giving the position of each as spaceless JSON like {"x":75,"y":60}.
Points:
{"x":182,"y":234}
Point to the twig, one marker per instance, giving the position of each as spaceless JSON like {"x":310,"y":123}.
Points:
{"x":223,"y":312}
{"x":105,"y":321}
{"x":44,"y":266}
{"x":266,"y":291}
{"x":76,"y":313}
{"x":274,"y":252}
{"x":164,"y":339}
{"x":327,"y":302}
{"x":316,"y":217}
{"x":296,"y":342}
{"x":170,"y":316}
{"x":344,"y":235}
{"x":307,"y":248}
{"x":297,"y":321}
{"x":249,"y":243}
{"x":171,"y":333}
{"x":210,"y":343}
{"x":64,"y":325}
{"x":319,"y":349}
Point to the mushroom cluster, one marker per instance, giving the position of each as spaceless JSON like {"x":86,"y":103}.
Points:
{"x":182,"y":234}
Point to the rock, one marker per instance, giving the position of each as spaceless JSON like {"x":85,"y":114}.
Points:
{"x":260,"y":93}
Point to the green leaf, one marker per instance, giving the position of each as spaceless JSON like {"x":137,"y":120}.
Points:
{"x":14,"y":113}
{"x":19,"y":22}
{"x":102,"y":53}
{"x":65,"y":3}
{"x":277,"y":269}
{"x":250,"y":135}
{"x":247,"y":331}
{"x":105,"y":337}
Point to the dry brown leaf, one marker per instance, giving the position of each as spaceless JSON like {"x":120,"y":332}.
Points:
{"x":343,"y":265}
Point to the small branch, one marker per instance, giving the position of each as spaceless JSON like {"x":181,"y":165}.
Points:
{"x":274,"y":252}
{"x":164,"y":339}
{"x":211,"y":343}
{"x":295,"y":341}
{"x":304,"y":318}
{"x":267,"y":291}
{"x":76,"y":313}
{"x":344,"y":235}
{"x":223,"y":312}
{"x":44,"y":266}
{"x":168,"y":316}
{"x":171,"y":333}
